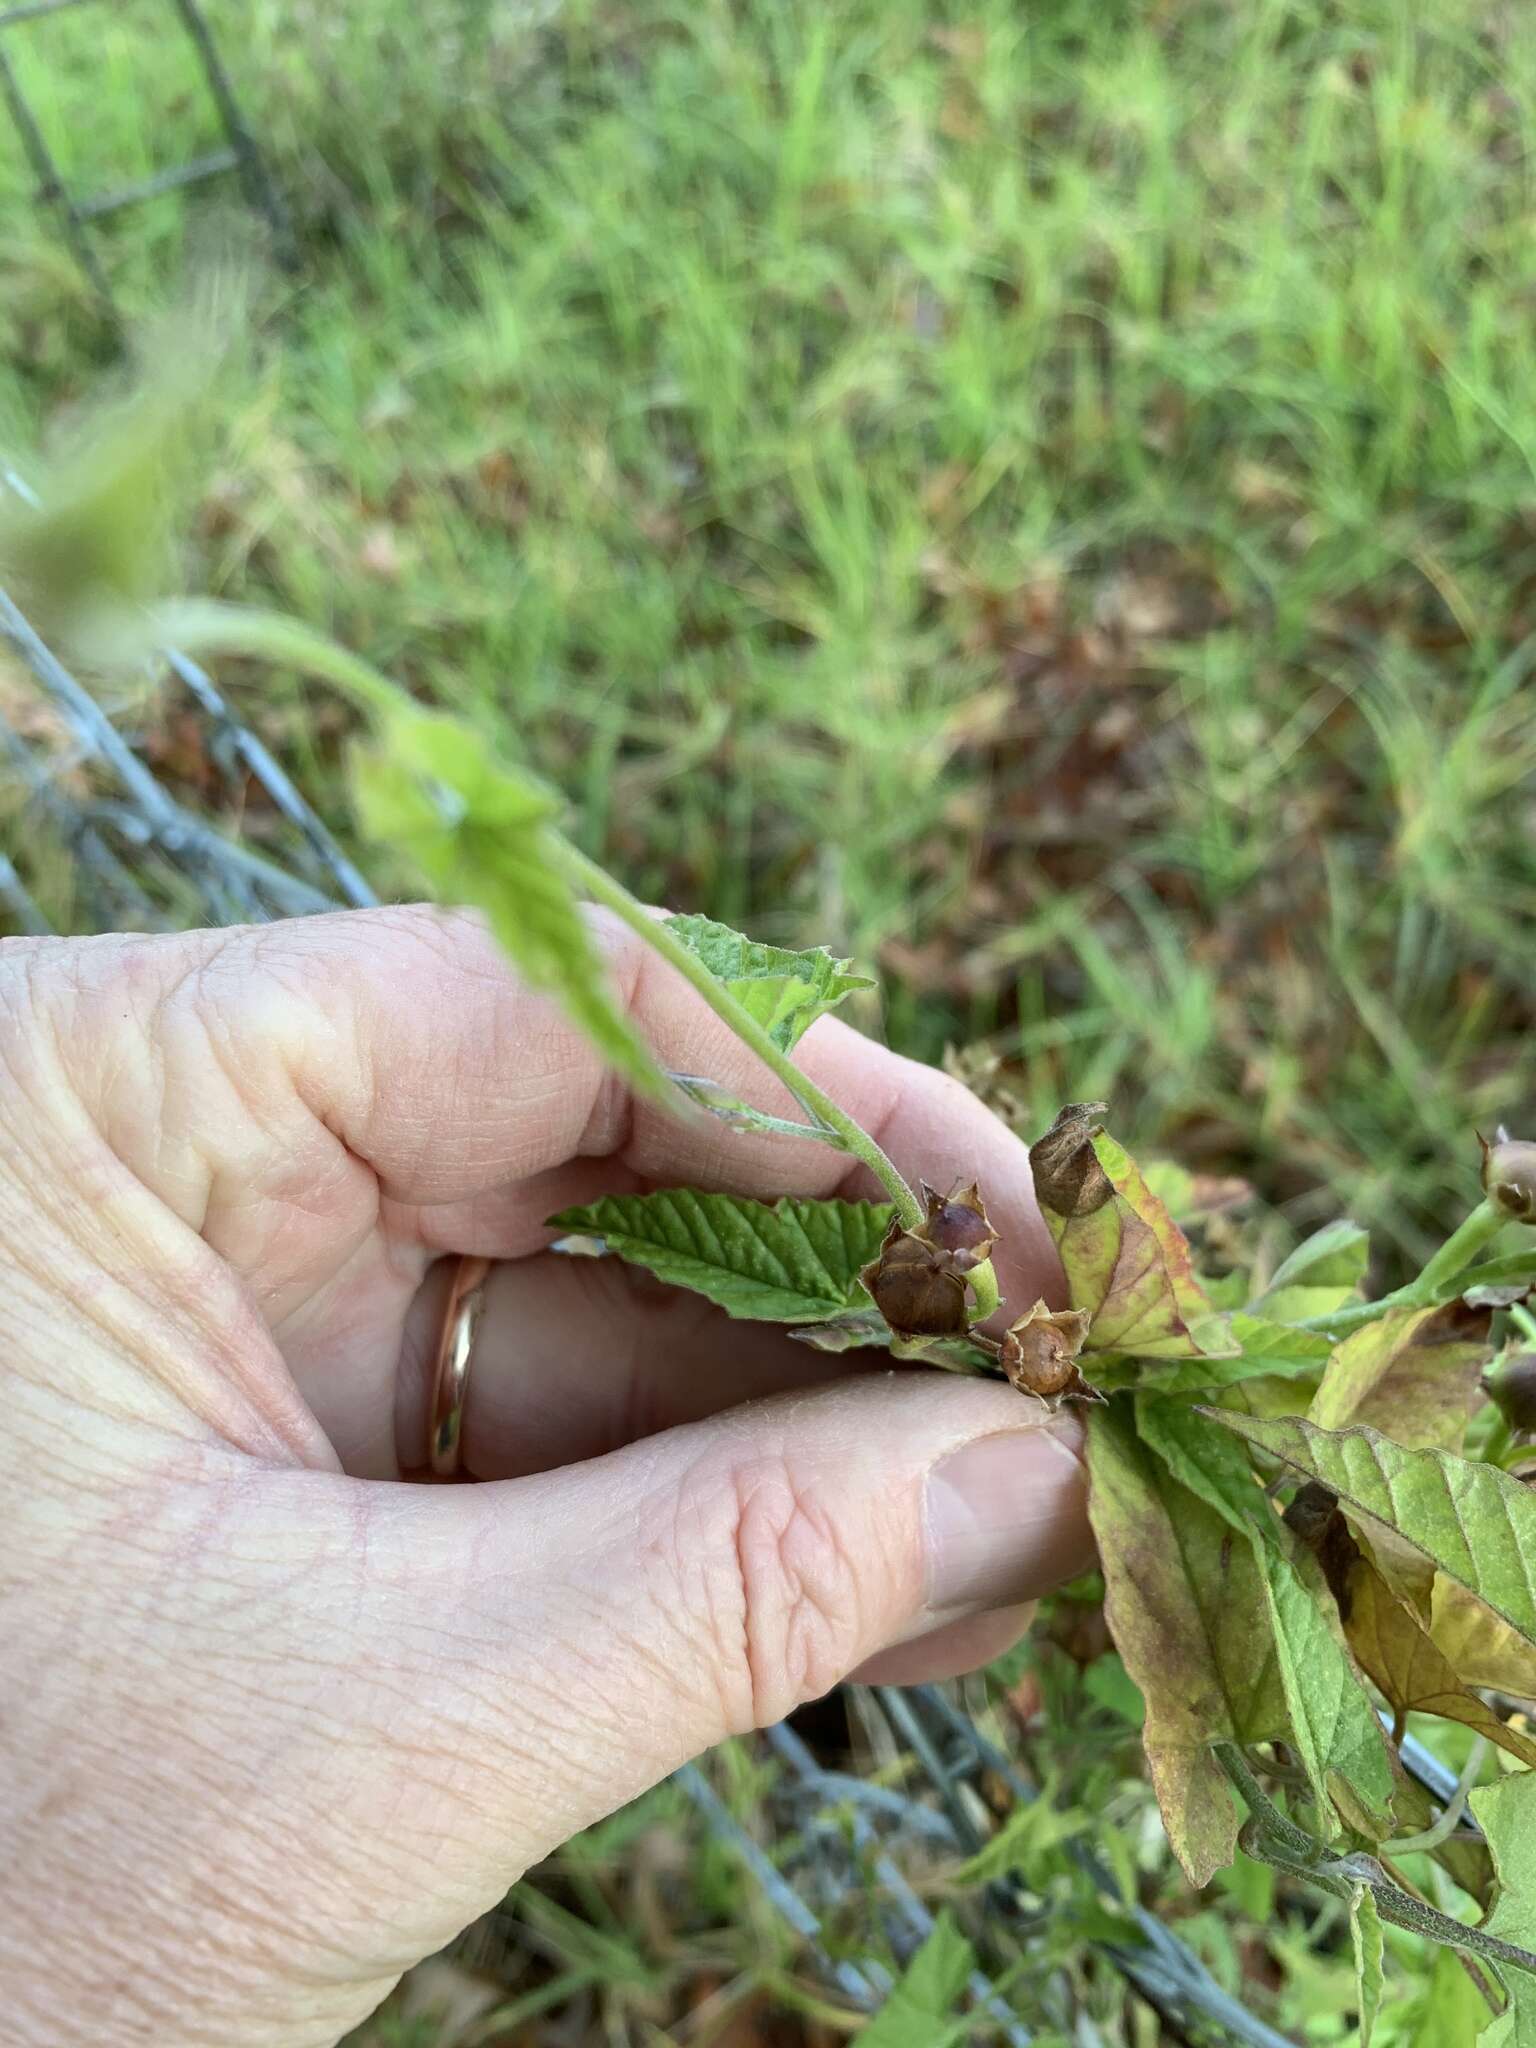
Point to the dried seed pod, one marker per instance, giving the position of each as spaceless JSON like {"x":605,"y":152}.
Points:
{"x":1039,"y":1353}
{"x":1069,"y":1180}
{"x":958,"y":1223}
{"x":1511,"y":1383}
{"x":916,"y":1286}
{"x":1509,"y":1174}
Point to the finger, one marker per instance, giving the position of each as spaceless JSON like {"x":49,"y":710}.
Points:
{"x":949,"y":1652}
{"x":574,"y":1636}
{"x":575,"y":1357}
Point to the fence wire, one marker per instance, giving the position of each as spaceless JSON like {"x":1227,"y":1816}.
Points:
{"x":76,"y":211}
{"x":78,"y":785}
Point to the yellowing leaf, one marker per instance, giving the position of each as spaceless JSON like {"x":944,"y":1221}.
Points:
{"x":1184,"y":1604}
{"x":1477,"y":1644}
{"x":480,"y":833}
{"x":786,"y":1262}
{"x":784,"y":991}
{"x":1333,"y":1722}
{"x":1401,"y":1657}
{"x":1413,"y":1374}
{"x":1321,"y":1275}
{"x":1471,"y":1520}
{"x":1126,"y":1260}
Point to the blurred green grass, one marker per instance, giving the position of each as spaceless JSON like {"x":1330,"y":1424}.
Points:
{"x":1041,"y":499}
{"x":1046,"y":502}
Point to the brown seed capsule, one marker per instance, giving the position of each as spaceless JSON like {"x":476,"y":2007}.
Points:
{"x":1511,"y":1383}
{"x":1314,"y":1518}
{"x":916,"y":1287}
{"x":1039,"y":1353}
{"x":958,"y":1223}
{"x":1068,"y":1177}
{"x":1509,"y":1174}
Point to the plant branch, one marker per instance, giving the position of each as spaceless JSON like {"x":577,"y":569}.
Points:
{"x":602,"y":887}
{"x":1435,"y":1283}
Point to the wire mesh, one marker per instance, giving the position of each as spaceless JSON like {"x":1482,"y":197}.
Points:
{"x":144,"y":860}
{"x":75,"y":213}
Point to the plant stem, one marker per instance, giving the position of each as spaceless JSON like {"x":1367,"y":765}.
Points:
{"x":984,"y":1287}
{"x":1458,"y":1251}
{"x":1448,"y":1264}
{"x":602,"y":887}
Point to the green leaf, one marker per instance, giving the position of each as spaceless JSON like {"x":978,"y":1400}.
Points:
{"x":786,"y":1262}
{"x":1451,"y":2011}
{"x":1023,"y":1844}
{"x":1472,"y":1521}
{"x":1506,"y":1813}
{"x":1266,"y":1350}
{"x":918,"y":2013}
{"x":1175,"y":1587}
{"x":784,"y":992}
{"x":1341,"y":1741}
{"x":1127,"y":1262}
{"x":1414,"y":1375}
{"x":1333,"y":1722}
{"x":482,"y":834}
{"x":1365,"y":1934}
{"x":1321,"y":1275}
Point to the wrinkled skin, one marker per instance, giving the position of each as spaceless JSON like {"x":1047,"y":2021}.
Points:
{"x":275,"y":1722}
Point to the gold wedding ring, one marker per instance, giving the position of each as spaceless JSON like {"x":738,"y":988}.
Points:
{"x":450,"y":1371}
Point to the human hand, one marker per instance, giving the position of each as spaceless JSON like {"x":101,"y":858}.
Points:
{"x":274,"y":1725}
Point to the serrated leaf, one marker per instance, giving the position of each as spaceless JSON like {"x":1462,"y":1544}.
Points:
{"x":1451,"y":2011}
{"x":919,"y":2013}
{"x":789,"y":1261}
{"x":1126,"y":1260}
{"x":1333,"y":1722}
{"x":1174,"y":1582}
{"x":1506,"y":1813}
{"x":1366,"y":1940}
{"x":480,"y":833}
{"x":1321,"y":1275}
{"x":1472,"y":1521}
{"x":1403,"y":1661}
{"x":1413,"y":1374}
{"x":784,"y":991}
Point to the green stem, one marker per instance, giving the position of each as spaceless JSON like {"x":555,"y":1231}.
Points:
{"x":1448,"y":1264}
{"x":602,"y":888}
{"x":1441,"y":1830}
{"x":984,"y":1290}
{"x":1457,"y":1253}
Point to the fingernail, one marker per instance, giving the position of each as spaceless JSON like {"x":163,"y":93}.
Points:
{"x":1006,"y":1521}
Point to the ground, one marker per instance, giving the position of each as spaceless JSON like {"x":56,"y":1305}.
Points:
{"x":1041,"y":499}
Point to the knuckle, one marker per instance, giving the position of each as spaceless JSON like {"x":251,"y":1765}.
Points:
{"x":800,"y":1605}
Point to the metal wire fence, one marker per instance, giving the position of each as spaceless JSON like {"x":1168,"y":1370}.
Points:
{"x":79,"y":789}
{"x":76,"y":212}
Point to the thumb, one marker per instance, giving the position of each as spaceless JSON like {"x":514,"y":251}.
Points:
{"x":641,"y":1606}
